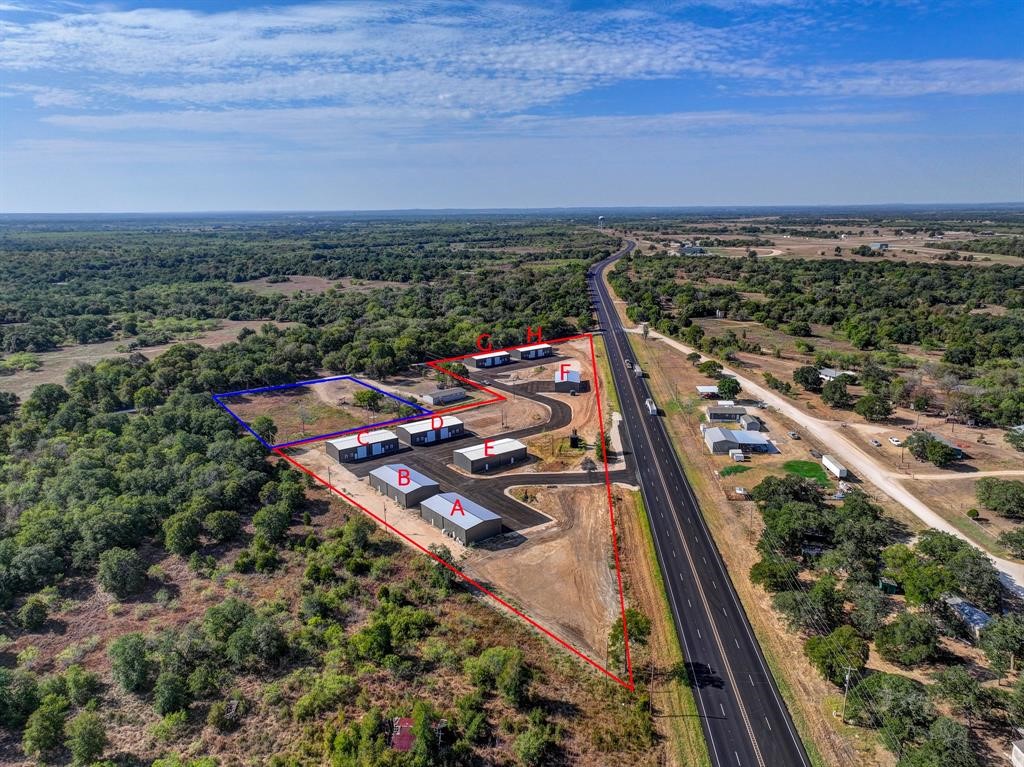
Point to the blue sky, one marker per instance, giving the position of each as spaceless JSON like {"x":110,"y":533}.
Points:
{"x":184,"y":106}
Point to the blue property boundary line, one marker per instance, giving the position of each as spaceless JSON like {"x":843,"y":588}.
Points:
{"x":262,"y":389}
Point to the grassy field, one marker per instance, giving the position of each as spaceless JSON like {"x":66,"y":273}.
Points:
{"x":728,"y":471}
{"x":808,"y":470}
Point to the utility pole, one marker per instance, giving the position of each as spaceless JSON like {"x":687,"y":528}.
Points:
{"x":846,"y":691}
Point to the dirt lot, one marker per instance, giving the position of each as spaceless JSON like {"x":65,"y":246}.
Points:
{"x":55,"y":365}
{"x":562,"y":576}
{"x":308,"y":411}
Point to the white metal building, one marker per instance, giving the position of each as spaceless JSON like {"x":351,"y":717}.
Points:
{"x":402,"y":484}
{"x":492,"y":359}
{"x":357,"y":447}
{"x":434,"y":429}
{"x":532,"y":352}
{"x":490,"y":454}
{"x":721,"y":441}
{"x":464,"y":520}
{"x":444,"y":396}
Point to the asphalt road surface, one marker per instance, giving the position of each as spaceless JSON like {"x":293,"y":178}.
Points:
{"x":742,"y":714}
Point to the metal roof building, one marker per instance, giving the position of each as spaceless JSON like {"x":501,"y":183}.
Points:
{"x":973,"y":617}
{"x":444,"y":396}
{"x":434,"y":429}
{"x":405,"y":486}
{"x":567,"y":380}
{"x":532,"y":352}
{"x":492,"y":359}
{"x":490,"y":454}
{"x":708,"y":392}
{"x":366,"y":444}
{"x":727,"y":413}
{"x":464,"y":520}
{"x":720,"y":441}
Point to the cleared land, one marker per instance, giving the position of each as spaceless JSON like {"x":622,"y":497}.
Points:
{"x":295,"y":283}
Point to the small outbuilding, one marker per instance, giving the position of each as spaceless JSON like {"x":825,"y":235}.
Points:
{"x":750,"y":423}
{"x":725,"y":413}
{"x":491,"y":359}
{"x":831,"y":374}
{"x":444,"y":396}
{"x":534,"y":352}
{"x":879,"y":246}
{"x":708,"y":392}
{"x":490,"y":454}
{"x":464,"y":520}
{"x":406,"y":486}
{"x":972,"y":616}
{"x":567,"y":379}
{"x":434,"y":429}
{"x":362,"y":445}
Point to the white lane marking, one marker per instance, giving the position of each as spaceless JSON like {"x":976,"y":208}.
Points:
{"x":723,"y":709}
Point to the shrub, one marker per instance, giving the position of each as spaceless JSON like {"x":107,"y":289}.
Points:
{"x":170,"y":693}
{"x":45,"y":727}
{"x":130,"y":664}
{"x":223,"y":525}
{"x":909,"y":640}
{"x":833,"y":654}
{"x":33,"y":614}
{"x":122,"y":572}
{"x":19,"y":696}
{"x":181,"y":533}
{"x":81,"y":685}
{"x":86,"y":737}
{"x":774,"y":573}
{"x":328,"y":690}
{"x":227,"y":715}
{"x":503,"y":668}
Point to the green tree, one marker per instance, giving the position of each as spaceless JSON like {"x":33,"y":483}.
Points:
{"x":909,"y":640}
{"x":1003,"y":496}
{"x":873,"y":407}
{"x":1003,"y":642}
{"x":835,"y":394}
{"x":371,"y":399}
{"x":44,"y":730}
{"x":264,"y":426}
{"x":869,"y":606}
{"x":45,"y":401}
{"x":181,"y":533}
{"x":8,"y":406}
{"x":273,"y":521}
{"x":948,"y":744}
{"x":33,"y":614}
{"x":86,"y":737}
{"x":693,"y":358}
{"x":146,"y":399}
{"x":774,"y":573}
{"x":130,"y":662}
{"x":833,"y":654}
{"x":963,"y":691}
{"x":170,"y":693}
{"x":122,"y":572}
{"x":710,"y":368}
{"x":534,"y":745}
{"x":222,"y":526}
{"x":808,"y":377}
{"x":442,"y":577}
{"x":501,"y":668}
{"x":728,"y":388}
{"x":894,"y":704}
{"x":1014,"y":541}
{"x":19,"y":696}
{"x":1015,"y":439}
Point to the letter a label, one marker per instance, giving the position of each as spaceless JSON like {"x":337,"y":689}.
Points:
{"x":457,"y":506}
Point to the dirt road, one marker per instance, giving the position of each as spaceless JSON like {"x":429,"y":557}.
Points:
{"x":860,"y":462}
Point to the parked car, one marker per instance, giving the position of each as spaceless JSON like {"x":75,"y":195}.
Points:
{"x":629,"y":364}
{"x":793,"y":435}
{"x":816,"y":453}
{"x":876,"y":443}
{"x":896,"y":441}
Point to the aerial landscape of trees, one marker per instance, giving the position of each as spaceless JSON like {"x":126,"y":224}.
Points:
{"x":226,"y":607}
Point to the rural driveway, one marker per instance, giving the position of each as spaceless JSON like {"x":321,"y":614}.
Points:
{"x":829,"y":433}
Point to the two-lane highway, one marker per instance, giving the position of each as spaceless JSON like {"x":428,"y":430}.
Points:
{"x":743,"y":716}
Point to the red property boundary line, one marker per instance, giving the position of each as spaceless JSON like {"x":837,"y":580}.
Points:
{"x":628,"y":683}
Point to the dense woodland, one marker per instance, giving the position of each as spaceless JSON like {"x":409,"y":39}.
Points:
{"x":310,"y":638}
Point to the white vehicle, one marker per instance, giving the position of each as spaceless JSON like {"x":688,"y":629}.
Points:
{"x":896,"y":441}
{"x":651,"y":407}
{"x":629,"y":364}
{"x":638,"y":371}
